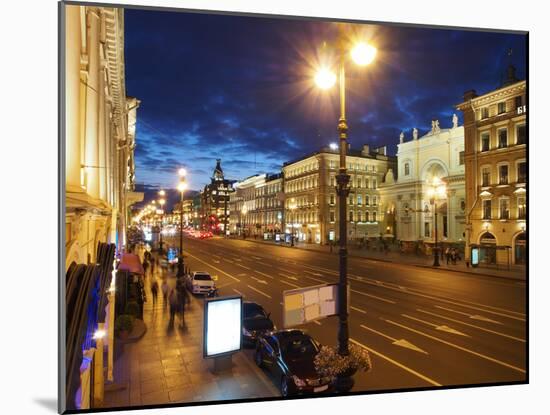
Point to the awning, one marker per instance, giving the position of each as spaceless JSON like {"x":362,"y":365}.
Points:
{"x":130,"y":263}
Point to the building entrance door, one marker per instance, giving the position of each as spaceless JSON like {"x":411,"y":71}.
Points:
{"x":520,"y":249}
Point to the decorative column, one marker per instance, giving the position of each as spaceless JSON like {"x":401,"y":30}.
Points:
{"x":91,"y":158}
{"x":72,"y":99}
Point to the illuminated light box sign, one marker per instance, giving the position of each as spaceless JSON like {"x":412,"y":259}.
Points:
{"x":475,"y":257}
{"x":303,"y":305}
{"x":222,"y":326}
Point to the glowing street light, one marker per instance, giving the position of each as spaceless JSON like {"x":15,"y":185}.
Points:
{"x":325,"y":78}
{"x":182,"y":172}
{"x":363,"y":53}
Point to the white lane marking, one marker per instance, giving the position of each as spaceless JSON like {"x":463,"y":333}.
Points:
{"x":315,"y":279}
{"x":317,"y":322}
{"x":228,"y":260}
{"x":412,"y":291}
{"x":396,"y":363}
{"x":257,"y":258}
{"x":243,"y":274}
{"x":397,"y":342}
{"x":314,"y":273}
{"x":475,"y":317}
{"x":242,"y":266}
{"x":215,"y":261}
{"x":472,"y":325}
{"x":373,"y":296}
{"x":237,"y":259}
{"x":212,"y":266}
{"x":263,"y":273}
{"x":258,"y":291}
{"x":436,"y":326}
{"x":216,"y":256}
{"x":238,"y":292}
{"x":459,"y":347}
{"x":289,"y":283}
{"x":259,"y":280}
{"x":358,"y":309}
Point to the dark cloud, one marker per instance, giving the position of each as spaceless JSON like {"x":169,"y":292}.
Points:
{"x":239,"y":88}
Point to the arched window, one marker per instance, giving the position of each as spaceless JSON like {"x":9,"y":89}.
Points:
{"x":407,"y":169}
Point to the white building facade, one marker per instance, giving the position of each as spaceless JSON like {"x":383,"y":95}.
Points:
{"x":405,"y":194}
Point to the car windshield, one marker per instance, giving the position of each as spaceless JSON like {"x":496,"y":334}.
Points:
{"x":202,"y":277}
{"x":251,"y":310}
{"x":298,"y":346}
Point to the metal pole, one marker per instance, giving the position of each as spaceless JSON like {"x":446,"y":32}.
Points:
{"x":343,"y":191}
{"x":436,"y":253}
{"x":181,"y":270}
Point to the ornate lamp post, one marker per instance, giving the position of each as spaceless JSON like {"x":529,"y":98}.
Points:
{"x":182,"y":186}
{"x":162,"y":201}
{"x":436,"y":190}
{"x":362,"y":54}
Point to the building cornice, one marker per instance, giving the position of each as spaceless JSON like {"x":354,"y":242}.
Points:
{"x":494,"y":96}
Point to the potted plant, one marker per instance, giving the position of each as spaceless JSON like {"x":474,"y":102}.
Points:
{"x":341,"y":368}
{"x":124,"y":325}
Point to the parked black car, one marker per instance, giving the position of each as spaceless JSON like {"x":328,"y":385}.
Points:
{"x":288,"y":355}
{"x":255,"y":322}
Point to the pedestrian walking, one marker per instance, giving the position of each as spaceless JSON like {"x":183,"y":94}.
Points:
{"x":154,"y":291}
{"x":164,"y":288}
{"x":448,"y":255}
{"x":145,"y":266}
{"x":173,"y":300}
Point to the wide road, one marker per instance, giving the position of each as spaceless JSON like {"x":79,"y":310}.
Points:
{"x":422,"y":327}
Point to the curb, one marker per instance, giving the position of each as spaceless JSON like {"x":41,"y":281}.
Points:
{"x":393,"y":262}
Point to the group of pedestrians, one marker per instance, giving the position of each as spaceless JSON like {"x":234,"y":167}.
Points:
{"x":452,"y":255}
{"x":173,"y":298}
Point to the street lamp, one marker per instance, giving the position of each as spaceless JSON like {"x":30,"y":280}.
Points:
{"x":436,"y":190}
{"x":161,"y":203}
{"x":292,"y":206}
{"x":182,"y":186}
{"x":362,"y":54}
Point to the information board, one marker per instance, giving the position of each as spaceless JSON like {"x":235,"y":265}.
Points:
{"x":303,"y":305}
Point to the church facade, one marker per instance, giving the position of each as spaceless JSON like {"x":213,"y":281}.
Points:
{"x":413,"y":213}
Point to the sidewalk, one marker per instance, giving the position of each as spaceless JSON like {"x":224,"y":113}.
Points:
{"x":515,"y":272}
{"x":166,"y":366}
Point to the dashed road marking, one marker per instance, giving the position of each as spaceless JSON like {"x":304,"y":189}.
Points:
{"x":258,"y":291}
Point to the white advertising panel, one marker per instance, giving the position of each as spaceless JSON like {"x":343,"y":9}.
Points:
{"x":222,"y":326}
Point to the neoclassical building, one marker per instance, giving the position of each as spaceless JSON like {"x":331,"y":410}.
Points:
{"x":496,"y":137}
{"x":100,"y":132}
{"x":405,"y":193}
{"x":99,"y":129}
{"x":215,"y":202}
{"x":311,"y":208}
{"x":256,"y":206}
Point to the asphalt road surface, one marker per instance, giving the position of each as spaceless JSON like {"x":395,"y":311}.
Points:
{"x":422,"y":327}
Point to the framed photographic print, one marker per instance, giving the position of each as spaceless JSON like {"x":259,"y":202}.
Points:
{"x":262,"y":207}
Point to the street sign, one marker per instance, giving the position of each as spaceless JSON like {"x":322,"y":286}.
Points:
{"x":303,"y":305}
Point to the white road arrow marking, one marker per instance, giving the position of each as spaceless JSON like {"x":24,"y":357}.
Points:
{"x":437,"y":327}
{"x":474,"y":317}
{"x":259,"y":280}
{"x":401,"y":342}
{"x":263,"y":273}
{"x":471,"y":325}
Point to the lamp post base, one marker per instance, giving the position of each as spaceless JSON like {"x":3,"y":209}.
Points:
{"x":181,"y":271}
{"x":436,"y":257}
{"x":344,"y":382}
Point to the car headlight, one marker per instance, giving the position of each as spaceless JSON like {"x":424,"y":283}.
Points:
{"x":298,"y":382}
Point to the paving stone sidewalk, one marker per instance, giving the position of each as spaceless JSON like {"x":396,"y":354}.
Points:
{"x":166,"y":365}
